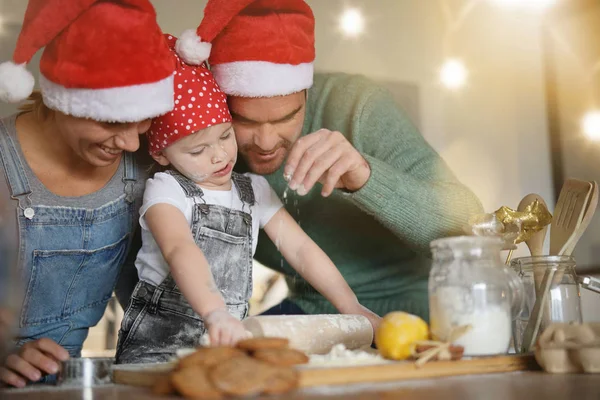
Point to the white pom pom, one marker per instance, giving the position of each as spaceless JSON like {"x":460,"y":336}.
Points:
{"x":16,"y":83}
{"x":191,"y":48}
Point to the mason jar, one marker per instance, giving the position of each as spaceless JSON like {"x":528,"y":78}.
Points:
{"x":469,"y":285}
{"x":563,"y":303}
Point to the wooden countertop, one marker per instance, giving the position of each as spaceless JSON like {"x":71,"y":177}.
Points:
{"x":506,"y":386}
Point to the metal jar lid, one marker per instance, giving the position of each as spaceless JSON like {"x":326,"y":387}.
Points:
{"x":86,"y":372}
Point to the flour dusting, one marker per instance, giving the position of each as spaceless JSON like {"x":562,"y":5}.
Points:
{"x":342,"y":357}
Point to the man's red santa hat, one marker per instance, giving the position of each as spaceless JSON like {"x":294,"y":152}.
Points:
{"x":256,"y":48}
{"x":103,"y":60}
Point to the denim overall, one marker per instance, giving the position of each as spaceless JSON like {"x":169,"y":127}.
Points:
{"x":69,"y":258}
{"x":159,"y":320}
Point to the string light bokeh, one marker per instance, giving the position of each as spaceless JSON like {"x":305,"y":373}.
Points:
{"x":352,"y":22}
{"x":453,"y":74}
{"x":591,"y":125}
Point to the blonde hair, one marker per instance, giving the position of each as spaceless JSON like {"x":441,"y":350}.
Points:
{"x":35,"y":104}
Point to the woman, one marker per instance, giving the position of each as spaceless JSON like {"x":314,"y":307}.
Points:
{"x":9,"y":283}
{"x":73,"y":181}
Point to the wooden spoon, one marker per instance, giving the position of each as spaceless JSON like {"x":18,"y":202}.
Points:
{"x":536,"y":242}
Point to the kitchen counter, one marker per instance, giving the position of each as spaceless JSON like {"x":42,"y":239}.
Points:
{"x":506,"y":386}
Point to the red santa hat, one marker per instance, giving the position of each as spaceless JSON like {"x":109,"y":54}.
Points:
{"x":256,"y":48}
{"x":199,"y":104}
{"x":103,"y":60}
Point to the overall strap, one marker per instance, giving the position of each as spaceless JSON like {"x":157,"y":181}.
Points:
{"x":243,"y":183}
{"x":129,"y":176}
{"x":190,"y":188}
{"x":14,"y":172}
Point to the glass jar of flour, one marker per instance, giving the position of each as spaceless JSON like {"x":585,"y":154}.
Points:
{"x":470,"y":285}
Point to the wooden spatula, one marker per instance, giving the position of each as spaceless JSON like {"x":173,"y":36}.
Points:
{"x":568,"y":217}
{"x":589,"y":212}
{"x":568,"y":213}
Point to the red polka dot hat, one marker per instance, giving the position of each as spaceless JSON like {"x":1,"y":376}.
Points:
{"x":199,"y":104}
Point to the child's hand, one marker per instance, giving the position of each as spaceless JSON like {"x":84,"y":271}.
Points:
{"x":359,"y":309}
{"x":373,"y":318}
{"x":224,"y":329}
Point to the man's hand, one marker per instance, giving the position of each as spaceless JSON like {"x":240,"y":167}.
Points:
{"x":329,"y":158}
{"x":32,"y":361}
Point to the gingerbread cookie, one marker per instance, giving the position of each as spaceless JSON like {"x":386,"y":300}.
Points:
{"x":193,"y":383}
{"x":254,"y":344}
{"x":241,"y":376}
{"x":284,"y":380}
{"x":281,"y":357}
{"x":210,"y":356}
{"x":163,"y":386}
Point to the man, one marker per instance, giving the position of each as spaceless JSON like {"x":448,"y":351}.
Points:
{"x":385,"y":194}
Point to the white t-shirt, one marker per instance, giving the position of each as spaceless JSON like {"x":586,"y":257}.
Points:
{"x":164,"y":188}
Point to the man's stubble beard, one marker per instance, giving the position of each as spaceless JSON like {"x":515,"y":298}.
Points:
{"x":264,"y":168}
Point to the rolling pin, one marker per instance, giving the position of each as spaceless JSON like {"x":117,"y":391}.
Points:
{"x":314,"y":334}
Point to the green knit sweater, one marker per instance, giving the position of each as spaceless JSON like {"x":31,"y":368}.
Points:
{"x":379,"y":236}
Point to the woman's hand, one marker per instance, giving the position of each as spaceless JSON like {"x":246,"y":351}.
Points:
{"x":6,"y":321}
{"x":32,"y":361}
{"x":224,"y":329}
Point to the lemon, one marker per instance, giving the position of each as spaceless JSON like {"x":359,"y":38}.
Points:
{"x":397,"y":334}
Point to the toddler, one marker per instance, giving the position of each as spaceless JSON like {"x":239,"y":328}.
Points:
{"x":200,"y":223}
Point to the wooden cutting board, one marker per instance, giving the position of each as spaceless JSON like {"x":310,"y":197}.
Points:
{"x":146,"y":375}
